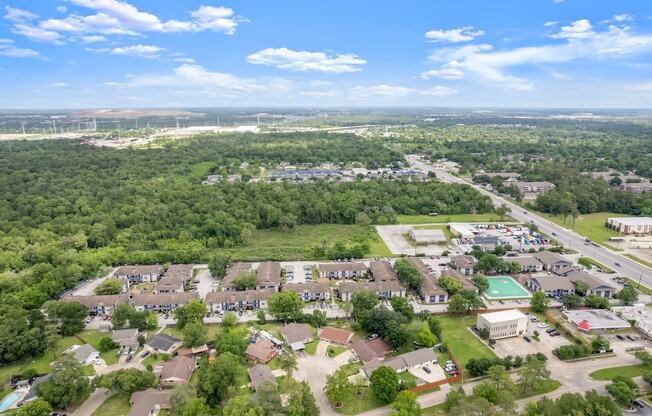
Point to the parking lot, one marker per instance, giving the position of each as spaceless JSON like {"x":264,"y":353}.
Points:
{"x":298,"y":271}
{"x":519,"y":346}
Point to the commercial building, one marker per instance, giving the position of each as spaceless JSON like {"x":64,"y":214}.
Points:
{"x":462,"y":230}
{"x":503,"y":324}
{"x":427,"y":236}
{"x":596,"y":320}
{"x":631,"y":225}
{"x":342,"y":270}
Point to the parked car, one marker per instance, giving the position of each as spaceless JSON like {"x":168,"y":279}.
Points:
{"x":629,"y":337}
{"x":555,"y":334}
{"x":549,"y":330}
{"x":543,"y":325}
{"x":372,"y":336}
{"x":620,"y":337}
{"x":426,"y":369}
{"x":144,"y":354}
{"x":527,"y":339}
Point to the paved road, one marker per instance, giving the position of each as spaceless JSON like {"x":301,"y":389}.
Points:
{"x":566,"y":237}
{"x":93,"y":402}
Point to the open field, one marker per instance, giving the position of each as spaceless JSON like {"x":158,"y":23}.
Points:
{"x":635,"y":370}
{"x":460,"y":341}
{"x":354,"y":404}
{"x":116,"y":405}
{"x":427,"y":219}
{"x":590,"y":226}
{"x":298,"y":243}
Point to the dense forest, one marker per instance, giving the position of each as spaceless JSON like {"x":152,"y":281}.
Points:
{"x":67,"y":209}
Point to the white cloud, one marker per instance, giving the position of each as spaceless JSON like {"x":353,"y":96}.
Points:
{"x":93,"y":38}
{"x":184,"y":60}
{"x":38,"y":34}
{"x":140,"y":51}
{"x":579,"y":29}
{"x":111,"y":83}
{"x":5,"y":40}
{"x":59,"y":84}
{"x":462,"y":34}
{"x":320,"y":94}
{"x":14,"y":52}
{"x":623,"y":17}
{"x":397,"y":91}
{"x":445,"y":73}
{"x":196,"y":79}
{"x":645,"y":87}
{"x":558,"y":1}
{"x":62,"y":9}
{"x":303,"y":61}
{"x":18,"y":15}
{"x":550,"y":23}
{"x":113,"y":17}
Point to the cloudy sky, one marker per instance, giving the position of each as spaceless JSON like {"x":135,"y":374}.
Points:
{"x":536,"y":53}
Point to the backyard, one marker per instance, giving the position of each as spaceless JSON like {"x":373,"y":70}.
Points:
{"x":462,"y":344}
{"x":116,"y":405}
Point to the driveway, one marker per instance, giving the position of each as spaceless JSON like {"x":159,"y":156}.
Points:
{"x":93,"y":402}
{"x":314,"y":369}
{"x":88,"y":288}
{"x":205,"y":282}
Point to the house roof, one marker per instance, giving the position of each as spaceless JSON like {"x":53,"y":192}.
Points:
{"x":409,"y":359}
{"x":523,"y":261}
{"x":372,"y":350}
{"x":119,"y":334}
{"x":486,"y":239}
{"x":591,"y":281}
{"x":181,"y":272}
{"x":162,"y":342}
{"x":135,"y":270}
{"x":260,"y":374}
{"x":427,"y":235}
{"x":338,"y":335}
{"x":463,"y":261}
{"x":342,"y":267}
{"x":164,"y":298}
{"x":313,"y":288}
{"x":553,"y":282}
{"x":232,"y":296}
{"x":296,"y":332}
{"x":180,"y":367}
{"x":143,"y":402}
{"x":97,"y":300}
{"x":376,"y":287}
{"x":429,"y":284}
{"x":382,"y":271}
{"x":263,"y":350}
{"x":269,"y":272}
{"x":549,"y":257}
{"x":193,"y":350}
{"x":81,"y":352}
{"x":503,"y":316}
{"x":235,"y":270}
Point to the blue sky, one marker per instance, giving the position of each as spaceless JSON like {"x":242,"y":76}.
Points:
{"x":539,"y":53}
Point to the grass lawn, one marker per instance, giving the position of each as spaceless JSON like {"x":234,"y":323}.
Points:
{"x":611,"y":372}
{"x":640,"y":287}
{"x":116,"y":405}
{"x":426,"y":219}
{"x":40,"y":364}
{"x":543,"y":388}
{"x":352,"y":404}
{"x":154,"y":359}
{"x":460,"y":341}
{"x":590,"y":225}
{"x":351,"y":368}
{"x":311,"y":347}
{"x":436,"y":410}
{"x":93,"y":337}
{"x":598,"y":265}
{"x":211,"y":331}
{"x":408,"y":379}
{"x":335,"y":350}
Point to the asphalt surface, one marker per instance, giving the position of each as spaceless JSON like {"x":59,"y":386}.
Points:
{"x":567,"y":238}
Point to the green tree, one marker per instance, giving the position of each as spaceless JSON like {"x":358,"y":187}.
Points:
{"x":181,"y":395}
{"x":246,"y":281}
{"x":453,"y":398}
{"x":531,"y":375}
{"x":38,"y":407}
{"x":628,"y":295}
{"x":52,"y":338}
{"x":450,"y":284}
{"x":599,"y":343}
{"x":402,"y":306}
{"x":287,"y":362}
{"x":242,"y":405}
{"x":623,"y":393}
{"x":385,"y":383}
{"x":539,"y":302}
{"x":193,"y":311}
{"x":644,"y":357}
{"x":487,"y":391}
{"x":127,"y":380}
{"x":406,"y":405}
{"x":499,"y":377}
{"x":121,"y":315}
{"x":107,"y":344}
{"x":571,"y":301}
{"x":337,"y":387}
{"x":407,"y":274}
{"x":362,"y":302}
{"x":457,"y":304}
{"x":269,"y":398}
{"x":481,"y":282}
{"x":109,"y":287}
{"x":424,"y":337}
{"x":69,"y":316}
{"x":197,"y":407}
{"x":229,"y":321}
{"x":595,"y":301}
{"x":66,"y":384}
{"x":217,"y":265}
{"x":260,"y":316}
{"x":231,"y":342}
{"x":194,"y":334}
{"x":285,"y":306}
{"x":301,"y":402}
{"x":214,"y":380}
{"x":435,"y":327}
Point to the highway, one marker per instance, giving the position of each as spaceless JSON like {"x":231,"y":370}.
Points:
{"x":567,"y":238}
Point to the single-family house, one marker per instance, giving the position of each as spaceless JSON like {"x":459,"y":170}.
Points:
{"x":149,"y":402}
{"x":336,"y":335}
{"x":411,"y":360}
{"x":84,"y":354}
{"x":177,"y":370}
{"x":126,"y":338}
{"x":260,"y":374}
{"x":163,"y":343}
{"x":342,"y":270}
{"x":296,"y":333}
{"x":368,"y":351}
{"x":232,"y":300}
{"x":263,"y":351}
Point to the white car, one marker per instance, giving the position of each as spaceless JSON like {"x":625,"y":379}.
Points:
{"x":543,"y":325}
{"x":97,"y":361}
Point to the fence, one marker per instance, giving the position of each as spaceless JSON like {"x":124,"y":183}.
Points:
{"x":451,"y":379}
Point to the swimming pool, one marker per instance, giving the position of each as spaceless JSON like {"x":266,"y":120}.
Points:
{"x":504,"y":287}
{"x":9,"y":400}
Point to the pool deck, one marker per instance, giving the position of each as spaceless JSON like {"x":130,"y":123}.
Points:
{"x":514,"y":289}
{"x":19,"y":394}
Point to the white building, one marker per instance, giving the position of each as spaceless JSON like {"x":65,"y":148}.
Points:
{"x":503,"y":324}
{"x":427,"y":236}
{"x":631,"y":225}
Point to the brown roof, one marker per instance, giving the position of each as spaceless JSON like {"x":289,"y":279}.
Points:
{"x":370,"y":350}
{"x":382,"y":271}
{"x":97,"y":300}
{"x":179,"y":271}
{"x":463,"y":261}
{"x":164,"y":298}
{"x":342,"y":267}
{"x":467,"y":284}
{"x":143,"y":402}
{"x":260,"y":374}
{"x":548,"y":257}
{"x":139,"y":270}
{"x":385,"y":286}
{"x":429,"y":284}
{"x":523,"y":261}
{"x":379,"y":346}
{"x":296,"y":332}
{"x":337,"y":335}
{"x":301,"y":288}
{"x":233,"y":296}
{"x":262,"y":351}
{"x":269,"y":272}
{"x":179,"y":367}
{"x":235,"y":270}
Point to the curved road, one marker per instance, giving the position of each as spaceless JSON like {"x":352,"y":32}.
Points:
{"x":567,"y":238}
